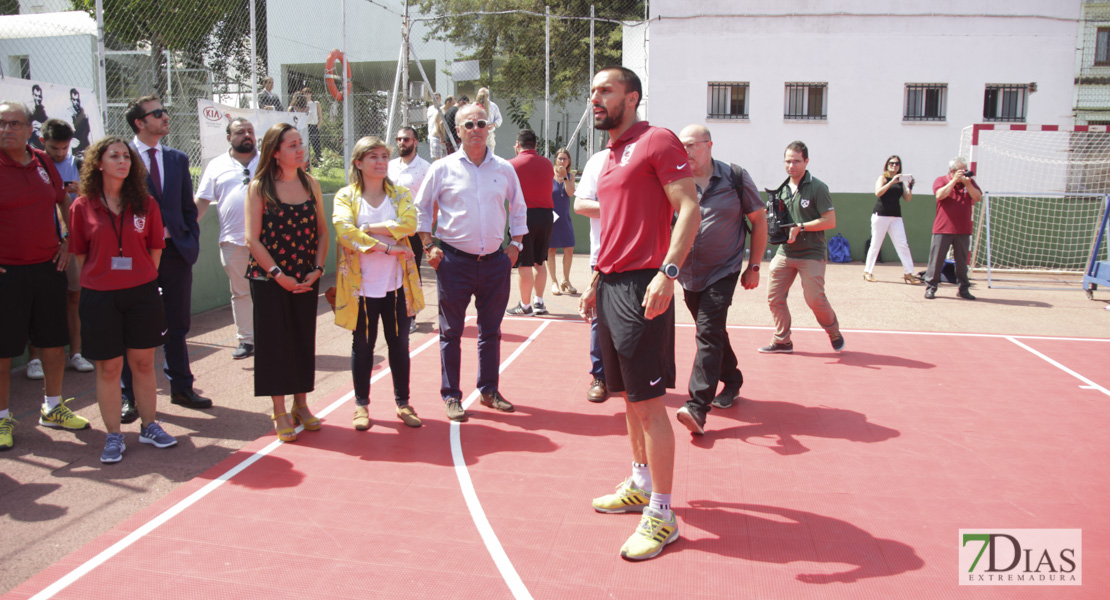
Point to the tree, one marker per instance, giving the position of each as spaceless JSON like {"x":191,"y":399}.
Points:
{"x":510,"y":47}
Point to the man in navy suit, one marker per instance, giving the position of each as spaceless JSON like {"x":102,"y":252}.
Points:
{"x":171,"y":185}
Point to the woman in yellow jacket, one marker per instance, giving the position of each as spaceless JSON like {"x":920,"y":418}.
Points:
{"x":377,"y":276}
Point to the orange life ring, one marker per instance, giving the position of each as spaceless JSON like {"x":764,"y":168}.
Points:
{"x":331,"y":77}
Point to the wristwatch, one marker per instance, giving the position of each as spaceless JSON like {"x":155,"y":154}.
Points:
{"x":754,"y":268}
{"x":519,"y":246}
{"x":803,"y":226}
{"x":428,"y":248}
{"x":318,"y":268}
{"x":670,"y":270}
{"x":275,"y":271}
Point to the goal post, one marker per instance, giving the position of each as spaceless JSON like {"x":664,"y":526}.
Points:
{"x":1045,"y":189}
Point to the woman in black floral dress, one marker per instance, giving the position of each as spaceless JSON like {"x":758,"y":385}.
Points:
{"x":288,"y":239}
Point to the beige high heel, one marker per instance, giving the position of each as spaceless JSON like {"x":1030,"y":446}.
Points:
{"x":869,"y":277}
{"x":912,"y":279}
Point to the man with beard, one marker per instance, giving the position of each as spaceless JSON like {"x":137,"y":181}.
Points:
{"x":225,"y":182}
{"x":645,"y":181}
{"x":38,"y":117}
{"x":409,"y":169}
{"x":80,"y":122}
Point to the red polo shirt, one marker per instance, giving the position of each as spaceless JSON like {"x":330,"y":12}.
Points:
{"x":954,"y":212}
{"x":635,"y":212}
{"x":94,"y":232}
{"x":537,"y":178}
{"x":29,"y":196}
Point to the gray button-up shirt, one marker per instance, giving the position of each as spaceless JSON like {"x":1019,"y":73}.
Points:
{"x":718,"y":249}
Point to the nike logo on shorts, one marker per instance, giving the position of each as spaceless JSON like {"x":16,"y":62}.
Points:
{"x":656,"y":382}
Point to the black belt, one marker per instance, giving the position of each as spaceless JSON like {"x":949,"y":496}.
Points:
{"x":453,"y":250}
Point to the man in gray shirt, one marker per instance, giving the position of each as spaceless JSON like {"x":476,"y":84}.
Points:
{"x":708,"y":277}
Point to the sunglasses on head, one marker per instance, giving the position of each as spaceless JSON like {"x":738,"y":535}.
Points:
{"x":246,"y":176}
{"x":480,"y":124}
{"x":158,"y":113}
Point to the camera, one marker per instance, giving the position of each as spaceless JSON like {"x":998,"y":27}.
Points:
{"x":969,"y":173}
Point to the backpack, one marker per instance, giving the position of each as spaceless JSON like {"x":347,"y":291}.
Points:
{"x":839,"y":250}
{"x":737,"y":180}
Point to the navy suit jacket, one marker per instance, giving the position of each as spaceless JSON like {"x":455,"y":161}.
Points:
{"x":179,"y":209}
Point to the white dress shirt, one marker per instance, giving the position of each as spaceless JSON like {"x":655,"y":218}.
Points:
{"x":472,"y":201}
{"x":494,"y":114}
{"x":142,"y":149}
{"x":410,"y":175}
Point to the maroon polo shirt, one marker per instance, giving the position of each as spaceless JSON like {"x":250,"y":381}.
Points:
{"x":954,"y":212}
{"x":95,"y":232}
{"x":536,"y":175}
{"x":29,"y":197}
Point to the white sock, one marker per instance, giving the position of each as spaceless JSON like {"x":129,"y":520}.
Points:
{"x":661,"y":502}
{"x":3,"y":414}
{"x":536,"y":299}
{"x":49,"y":403}
{"x":641,"y":477}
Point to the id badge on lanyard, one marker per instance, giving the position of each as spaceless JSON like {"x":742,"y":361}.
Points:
{"x":121,"y":262}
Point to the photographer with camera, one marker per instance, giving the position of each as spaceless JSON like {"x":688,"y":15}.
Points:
{"x":804,"y":253}
{"x":956,"y":195}
{"x":890,"y":188}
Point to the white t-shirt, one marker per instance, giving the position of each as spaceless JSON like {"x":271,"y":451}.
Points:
{"x":587,"y":190}
{"x":432,"y":114}
{"x":410,"y":175}
{"x":313,"y":117}
{"x":223,"y":183}
{"x":381,"y":272}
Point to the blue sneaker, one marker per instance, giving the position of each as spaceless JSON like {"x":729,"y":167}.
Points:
{"x":154,"y":434}
{"x":113,"y":448}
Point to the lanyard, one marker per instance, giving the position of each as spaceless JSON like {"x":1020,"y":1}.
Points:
{"x":112,"y":220}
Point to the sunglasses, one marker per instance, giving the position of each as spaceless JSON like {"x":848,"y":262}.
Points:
{"x":893,"y":164}
{"x":404,"y":139}
{"x":480,"y":124}
{"x":246,"y":176}
{"x":158,"y":113}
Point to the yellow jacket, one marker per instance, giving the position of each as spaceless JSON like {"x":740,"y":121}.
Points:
{"x":352,"y":242}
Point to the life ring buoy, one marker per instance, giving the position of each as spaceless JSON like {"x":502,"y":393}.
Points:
{"x":330,"y":76}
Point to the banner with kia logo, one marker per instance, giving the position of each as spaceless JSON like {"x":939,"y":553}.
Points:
{"x":214,"y":119}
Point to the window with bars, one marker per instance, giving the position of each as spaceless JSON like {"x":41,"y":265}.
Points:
{"x":807,"y":101}
{"x":728,"y":100}
{"x":1005,"y":102}
{"x":925,"y":102}
{"x":1102,"y":46}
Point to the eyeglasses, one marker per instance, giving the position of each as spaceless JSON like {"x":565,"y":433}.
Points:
{"x":11,"y":124}
{"x":480,"y":124}
{"x":404,"y":139}
{"x":893,"y":164}
{"x":158,"y":113}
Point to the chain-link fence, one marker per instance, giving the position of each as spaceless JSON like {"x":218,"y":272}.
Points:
{"x":536,"y":60}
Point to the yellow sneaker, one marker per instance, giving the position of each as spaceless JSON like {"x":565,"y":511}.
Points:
{"x":7,"y":426}
{"x":63,"y":418}
{"x":625,"y":499}
{"x":655,"y":531}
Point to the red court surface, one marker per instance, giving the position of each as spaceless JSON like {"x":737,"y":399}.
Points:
{"x":836,"y":476}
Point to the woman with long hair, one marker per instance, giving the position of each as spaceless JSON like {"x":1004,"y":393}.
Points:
{"x":890,"y":188}
{"x":288,"y":240}
{"x":377,"y":277}
{"x":562,"y":233}
{"x":116,"y":235}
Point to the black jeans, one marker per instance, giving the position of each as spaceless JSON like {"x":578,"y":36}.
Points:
{"x":715,"y":361}
{"x":395,"y":326}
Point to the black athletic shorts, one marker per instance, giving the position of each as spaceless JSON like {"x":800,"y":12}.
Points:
{"x":113,"y":321}
{"x":536,"y":240}
{"x":32,"y":308}
{"x":637,"y":354}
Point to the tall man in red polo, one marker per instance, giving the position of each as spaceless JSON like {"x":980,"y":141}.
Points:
{"x":646,"y":179}
{"x":33,"y":259}
{"x":535,"y":174}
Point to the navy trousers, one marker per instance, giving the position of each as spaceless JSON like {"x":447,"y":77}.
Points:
{"x":175,"y":277}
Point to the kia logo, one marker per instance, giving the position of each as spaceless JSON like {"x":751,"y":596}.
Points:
{"x":212,"y":114}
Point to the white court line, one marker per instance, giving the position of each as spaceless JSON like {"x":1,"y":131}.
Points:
{"x":493,"y":545}
{"x":1090,"y":384}
{"x":94,"y":562}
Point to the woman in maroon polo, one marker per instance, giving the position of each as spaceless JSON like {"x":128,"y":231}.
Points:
{"x":116,"y":235}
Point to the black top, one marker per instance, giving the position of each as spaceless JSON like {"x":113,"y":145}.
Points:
{"x":289,"y":235}
{"x":889,"y":203}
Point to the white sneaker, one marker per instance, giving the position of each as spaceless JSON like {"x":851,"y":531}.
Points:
{"x":79,"y":363}
{"x":34,"y":369}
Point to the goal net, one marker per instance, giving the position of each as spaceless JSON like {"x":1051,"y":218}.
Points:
{"x":1045,"y":190}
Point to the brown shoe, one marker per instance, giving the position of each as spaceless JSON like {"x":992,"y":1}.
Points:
{"x":408,"y":415}
{"x":598,"y":391}
{"x":497,"y":402}
{"x":361,"y":420}
{"x":455,"y":411}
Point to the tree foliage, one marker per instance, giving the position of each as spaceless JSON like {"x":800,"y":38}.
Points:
{"x":510,"y":47}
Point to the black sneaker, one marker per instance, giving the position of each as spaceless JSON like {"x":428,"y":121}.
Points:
{"x":520,"y":310}
{"x":243,"y":351}
{"x":965,"y":294}
{"x":497,"y":402}
{"x":692,"y":419}
{"x":777,"y":348}
{"x":837,"y":343}
{"x":539,"y":308}
{"x":455,"y":410}
{"x":726,"y":398}
{"x":930,"y":293}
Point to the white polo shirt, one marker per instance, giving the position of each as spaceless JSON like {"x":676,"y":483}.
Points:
{"x":222,"y":184}
{"x":410,"y":175}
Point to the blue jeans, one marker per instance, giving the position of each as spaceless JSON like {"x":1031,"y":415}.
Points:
{"x":458,"y":279}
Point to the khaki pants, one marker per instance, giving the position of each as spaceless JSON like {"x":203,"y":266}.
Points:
{"x":783,"y":272}
{"x":234,"y":258}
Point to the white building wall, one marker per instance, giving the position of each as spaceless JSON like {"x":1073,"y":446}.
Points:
{"x":867,"y":54}
{"x":67,"y":60}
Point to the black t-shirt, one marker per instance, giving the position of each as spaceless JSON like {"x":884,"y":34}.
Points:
{"x":449,"y":120}
{"x":889,"y":204}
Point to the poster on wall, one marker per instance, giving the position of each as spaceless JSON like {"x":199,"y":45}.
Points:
{"x":74,"y":105}
{"x":214,"y":119}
